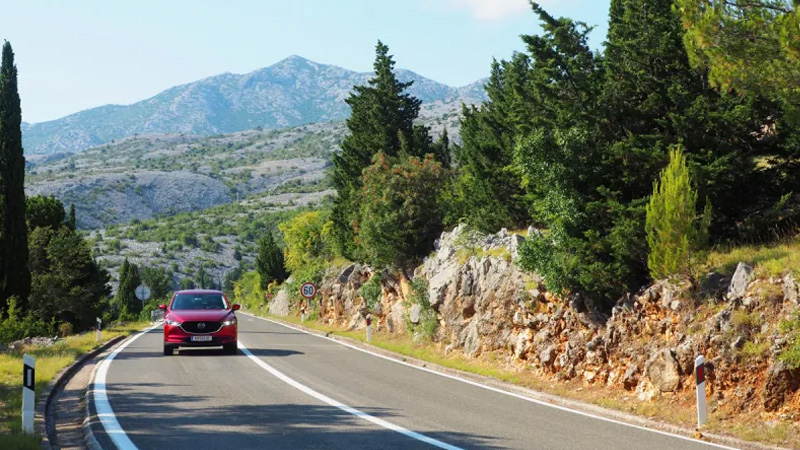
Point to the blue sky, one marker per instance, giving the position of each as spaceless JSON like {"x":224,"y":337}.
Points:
{"x":80,"y":54}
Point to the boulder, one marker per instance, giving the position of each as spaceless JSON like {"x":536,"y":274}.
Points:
{"x":790,"y":289}
{"x":413,"y":313}
{"x":548,"y":356}
{"x":741,"y":278}
{"x":663,"y":371}
{"x":279,"y":306}
{"x":782,"y":381}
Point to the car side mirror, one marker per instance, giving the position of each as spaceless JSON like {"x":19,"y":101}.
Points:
{"x":164,"y":307}
{"x":236,"y":307}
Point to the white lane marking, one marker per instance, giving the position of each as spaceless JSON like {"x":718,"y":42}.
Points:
{"x":501,"y":391}
{"x":103,"y":406}
{"x":324,"y":398}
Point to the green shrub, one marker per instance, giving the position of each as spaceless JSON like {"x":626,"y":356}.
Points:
{"x":371,"y":291}
{"x":791,"y":354}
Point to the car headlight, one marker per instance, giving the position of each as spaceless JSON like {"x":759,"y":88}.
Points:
{"x":172,"y":323}
{"x":228,"y":322}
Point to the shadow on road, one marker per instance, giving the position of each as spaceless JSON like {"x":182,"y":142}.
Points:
{"x":156,"y":420}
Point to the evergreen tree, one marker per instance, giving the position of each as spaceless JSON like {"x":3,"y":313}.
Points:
{"x":15,"y":277}
{"x":442,"y":150}
{"x":269,"y":261}
{"x":675,"y":235}
{"x":488,"y":193}
{"x":381,"y":120}
{"x":71,"y":223}
{"x":44,"y":211}
{"x":126,"y":299}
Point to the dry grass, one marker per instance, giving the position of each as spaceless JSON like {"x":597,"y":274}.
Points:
{"x":770,"y":261}
{"x":49,"y":361}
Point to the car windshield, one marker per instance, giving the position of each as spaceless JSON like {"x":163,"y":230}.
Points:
{"x":199,"y":301}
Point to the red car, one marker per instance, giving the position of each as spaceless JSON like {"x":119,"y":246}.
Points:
{"x":200,"y":318}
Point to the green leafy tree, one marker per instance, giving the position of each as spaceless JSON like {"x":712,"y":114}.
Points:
{"x":15,"y":277}
{"x":381,"y":120}
{"x":675,"y":234}
{"x":67,"y":284}
{"x":44,"y":212}
{"x":400,"y":214}
{"x":269,"y":261}
{"x":752,"y":45}
{"x":306,"y":239}
{"x":159,"y":280}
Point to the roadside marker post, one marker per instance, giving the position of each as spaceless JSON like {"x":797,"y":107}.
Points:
{"x":369,"y":327}
{"x":308,"y":290}
{"x":28,"y":392}
{"x":700,"y":379}
{"x":99,"y":328}
{"x":303,"y":313}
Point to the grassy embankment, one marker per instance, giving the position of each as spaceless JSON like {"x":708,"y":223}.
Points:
{"x":677,"y":409}
{"x":49,"y":361}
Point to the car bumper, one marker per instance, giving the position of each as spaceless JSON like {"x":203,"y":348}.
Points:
{"x":175,"y":336}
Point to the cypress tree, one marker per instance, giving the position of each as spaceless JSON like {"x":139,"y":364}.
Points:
{"x":71,"y":223}
{"x":381,"y":120}
{"x":15,"y":277}
{"x":269,"y":261}
{"x":129,"y":279}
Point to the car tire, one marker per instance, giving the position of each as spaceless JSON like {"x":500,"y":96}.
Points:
{"x":231,"y":349}
{"x":168,"y":351}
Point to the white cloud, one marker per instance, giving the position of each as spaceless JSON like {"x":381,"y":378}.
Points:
{"x":491,"y":10}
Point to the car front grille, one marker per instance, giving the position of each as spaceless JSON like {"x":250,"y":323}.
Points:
{"x":196,"y":328}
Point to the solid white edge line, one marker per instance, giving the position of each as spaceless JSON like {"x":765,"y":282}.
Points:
{"x":101,"y":403}
{"x":324,"y":398}
{"x":501,"y":391}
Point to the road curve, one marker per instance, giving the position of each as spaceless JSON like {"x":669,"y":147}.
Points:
{"x":293,"y":390}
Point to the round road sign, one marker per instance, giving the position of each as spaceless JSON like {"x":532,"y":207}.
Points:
{"x":308,"y":290}
{"x":142,"y":292}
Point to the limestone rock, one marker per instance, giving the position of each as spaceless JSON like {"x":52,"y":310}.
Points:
{"x":741,"y":278}
{"x":413,"y":313}
{"x":790,"y":289}
{"x":662,"y":370}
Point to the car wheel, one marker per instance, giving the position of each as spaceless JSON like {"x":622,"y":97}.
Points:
{"x":231,"y":349}
{"x":168,"y":350}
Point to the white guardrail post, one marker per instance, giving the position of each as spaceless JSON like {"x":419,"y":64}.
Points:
{"x":99,"y":329}
{"x":28,"y":392}
{"x":700,"y":379}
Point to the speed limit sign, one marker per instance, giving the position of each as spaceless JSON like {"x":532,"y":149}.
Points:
{"x":308,"y":290}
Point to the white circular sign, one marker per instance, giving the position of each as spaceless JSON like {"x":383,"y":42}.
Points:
{"x":142,"y":292}
{"x":308,"y":290}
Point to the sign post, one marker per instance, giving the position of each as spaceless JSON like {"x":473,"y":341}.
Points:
{"x":700,"y":379}
{"x":308,"y":290}
{"x":369,"y":327}
{"x":99,"y":328}
{"x":142,"y":292}
{"x":28,"y":392}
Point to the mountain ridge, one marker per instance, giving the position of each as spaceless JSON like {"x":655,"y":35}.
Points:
{"x":292,"y":92}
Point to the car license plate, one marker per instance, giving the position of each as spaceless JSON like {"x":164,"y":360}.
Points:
{"x":201,"y":338}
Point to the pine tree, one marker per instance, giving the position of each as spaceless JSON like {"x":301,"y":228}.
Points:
{"x":15,"y":277}
{"x":381,"y":120}
{"x":442,"y":150}
{"x":675,"y":235}
{"x":71,"y":223}
{"x":269,"y":261}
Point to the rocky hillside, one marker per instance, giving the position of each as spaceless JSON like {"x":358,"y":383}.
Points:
{"x":290,"y":93}
{"x":469,"y":298}
{"x":142,"y":177}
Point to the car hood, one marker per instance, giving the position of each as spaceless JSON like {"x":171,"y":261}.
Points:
{"x":210,"y":315}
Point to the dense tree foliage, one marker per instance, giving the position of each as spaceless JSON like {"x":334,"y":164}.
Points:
{"x":381,"y":120}
{"x":400,"y":215}
{"x":159,"y":280}
{"x":44,"y":212}
{"x":269,"y":261}
{"x":15,"y":277}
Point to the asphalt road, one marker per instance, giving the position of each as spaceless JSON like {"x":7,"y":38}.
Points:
{"x":292,"y":390}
